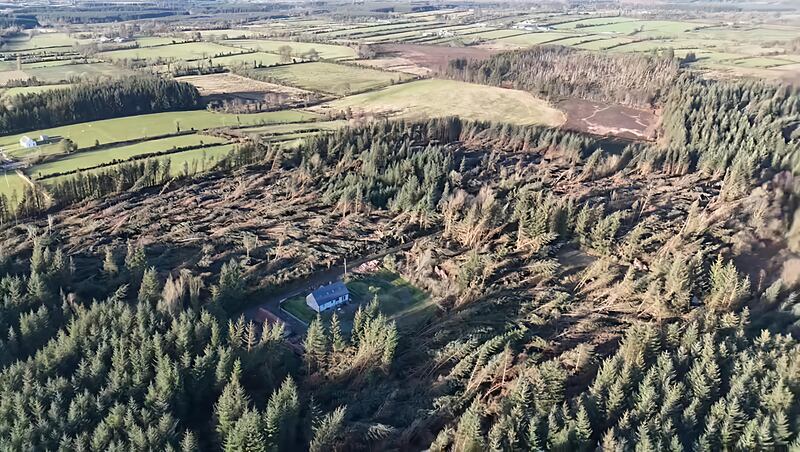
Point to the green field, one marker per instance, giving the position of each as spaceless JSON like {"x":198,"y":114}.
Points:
{"x":150,"y":41}
{"x":39,"y":40}
{"x":762,"y":62}
{"x":7,"y":93}
{"x":437,"y":98}
{"x":283,"y":129}
{"x":331,"y":78}
{"x":91,"y":159}
{"x":186,"y":51}
{"x":229,"y":33}
{"x":58,"y":74}
{"x":532,"y":39}
{"x":12,"y":185}
{"x":249,"y":60}
{"x":196,"y":161}
{"x":326,"y":51}
{"x":650,"y":27}
{"x":142,"y":126}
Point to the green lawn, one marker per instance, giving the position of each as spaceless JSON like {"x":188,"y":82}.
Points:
{"x":298,"y":308}
{"x":185,"y":51}
{"x":331,"y":78}
{"x":326,"y":51}
{"x":142,"y":126}
{"x":437,"y":98}
{"x":91,"y":159}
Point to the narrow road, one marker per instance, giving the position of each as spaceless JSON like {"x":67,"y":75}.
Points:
{"x":306,"y":285}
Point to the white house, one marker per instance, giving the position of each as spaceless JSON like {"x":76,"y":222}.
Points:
{"x":328,"y":297}
{"x":27,"y":142}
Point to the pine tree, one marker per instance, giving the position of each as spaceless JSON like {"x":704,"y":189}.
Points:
{"x":189,"y":442}
{"x":149,"y":288}
{"x":338,"y":343}
{"x":281,"y":417}
{"x":327,"y":430}
{"x":232,"y":403}
{"x":247,"y":434}
{"x":315,"y":344}
{"x":583,"y":429}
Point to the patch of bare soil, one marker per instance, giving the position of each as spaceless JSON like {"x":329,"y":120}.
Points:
{"x":232,"y":88}
{"x":429,"y":58}
{"x":609,"y":119}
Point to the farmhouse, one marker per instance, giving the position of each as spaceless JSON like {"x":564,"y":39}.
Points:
{"x":327,"y":297}
{"x":27,"y":142}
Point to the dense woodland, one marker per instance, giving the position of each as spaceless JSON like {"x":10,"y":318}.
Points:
{"x":558,"y":72}
{"x":93,"y":100}
{"x":587,"y":295}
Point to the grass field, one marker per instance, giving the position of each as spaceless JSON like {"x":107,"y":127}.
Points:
{"x":249,"y":59}
{"x":89,"y":159}
{"x":12,"y":185}
{"x":133,"y":127}
{"x":194,"y":161}
{"x":7,"y":93}
{"x":58,"y":74}
{"x":40,"y":40}
{"x":326,"y":51}
{"x":185,"y":51}
{"x":331,"y":78}
{"x":291,"y":128}
{"x":532,"y":39}
{"x":150,"y":41}
{"x":437,"y":98}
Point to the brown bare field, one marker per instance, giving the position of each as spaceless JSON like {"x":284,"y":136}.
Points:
{"x":7,"y":76}
{"x":427,"y":58}
{"x":609,"y":119}
{"x":229,"y":87}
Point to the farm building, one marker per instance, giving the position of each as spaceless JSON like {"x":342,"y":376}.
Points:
{"x":327,"y":297}
{"x":27,"y":142}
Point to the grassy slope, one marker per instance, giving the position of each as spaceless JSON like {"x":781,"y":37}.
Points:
{"x":12,"y":184}
{"x":333,"y":78}
{"x":93,"y":158}
{"x":132,"y":127}
{"x":199,"y":160}
{"x":436,"y":98}
{"x":326,"y":51}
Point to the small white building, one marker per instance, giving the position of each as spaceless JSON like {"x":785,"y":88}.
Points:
{"x":327,"y":297}
{"x":27,"y":142}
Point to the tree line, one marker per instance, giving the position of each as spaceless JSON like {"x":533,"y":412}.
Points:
{"x":558,"y":72}
{"x":94,"y":100}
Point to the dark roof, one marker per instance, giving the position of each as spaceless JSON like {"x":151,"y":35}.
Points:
{"x":327,"y":293}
